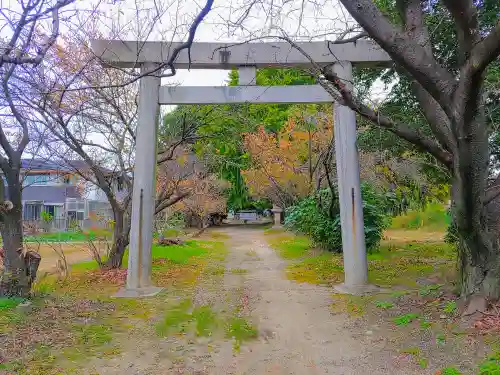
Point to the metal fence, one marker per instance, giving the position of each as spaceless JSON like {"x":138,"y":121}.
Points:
{"x":64,"y":225}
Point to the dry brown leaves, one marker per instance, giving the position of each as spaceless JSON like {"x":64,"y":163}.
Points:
{"x":172,"y":273}
{"x":49,"y":325}
{"x":111,"y":276}
{"x":488,"y":322}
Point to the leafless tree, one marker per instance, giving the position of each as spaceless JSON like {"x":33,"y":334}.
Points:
{"x":97,"y":125}
{"x":33,"y":99}
{"x":31,"y":29}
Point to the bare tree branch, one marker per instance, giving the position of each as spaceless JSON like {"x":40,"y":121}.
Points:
{"x":162,"y":204}
{"x":353,"y":39}
{"x":405,"y":51}
{"x":19,"y":57}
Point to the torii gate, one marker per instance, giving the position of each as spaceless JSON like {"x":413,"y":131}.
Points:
{"x":246,"y":58}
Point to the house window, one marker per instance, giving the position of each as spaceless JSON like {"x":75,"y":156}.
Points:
{"x":32,"y":211}
{"x":36,"y":179}
{"x":75,"y":215}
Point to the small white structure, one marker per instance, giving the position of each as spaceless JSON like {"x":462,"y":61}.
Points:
{"x":246,"y":58}
{"x":247,"y":215}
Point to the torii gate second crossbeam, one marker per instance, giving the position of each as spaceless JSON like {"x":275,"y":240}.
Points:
{"x":246,"y":58}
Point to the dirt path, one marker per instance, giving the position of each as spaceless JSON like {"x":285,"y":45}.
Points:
{"x":298,"y":333}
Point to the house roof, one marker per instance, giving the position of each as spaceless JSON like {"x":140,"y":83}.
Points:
{"x":50,"y":194}
{"x":56,"y":165}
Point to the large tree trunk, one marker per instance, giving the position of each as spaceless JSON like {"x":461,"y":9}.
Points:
{"x":15,"y":281}
{"x":479,"y":261}
{"x":478,"y":246}
{"x":479,"y":276}
{"x":121,"y":239}
{"x":478,"y":249}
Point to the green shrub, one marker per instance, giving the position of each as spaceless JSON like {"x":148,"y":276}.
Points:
{"x":318,"y":217}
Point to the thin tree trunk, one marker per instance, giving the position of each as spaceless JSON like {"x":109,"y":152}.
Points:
{"x":15,"y":281}
{"x":121,"y":239}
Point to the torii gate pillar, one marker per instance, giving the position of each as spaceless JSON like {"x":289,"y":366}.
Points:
{"x":144,"y":193}
{"x":351,"y":206}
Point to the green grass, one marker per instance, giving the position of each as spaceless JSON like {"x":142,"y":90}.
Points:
{"x":10,"y":318}
{"x":403,"y":264}
{"x":450,"y":307}
{"x":325,"y":268}
{"x":491,"y":366}
{"x":176,"y":319}
{"x":85,"y":296}
{"x":239,"y":271}
{"x":350,"y":304}
{"x":440,"y":339}
{"x":450,"y":371}
{"x":424,"y":324}
{"x":206,"y":321}
{"x":414,"y":350}
{"x":384,"y":305}
{"x":240,"y":330}
{"x":178,"y":254}
{"x":94,"y":334}
{"x":182,"y":318}
{"x":291,"y":247}
{"x":404,"y":320}
{"x":400,"y":264}
{"x":429,"y":290}
{"x":76,"y":236}
{"x":9,"y":303}
{"x":434,"y":217}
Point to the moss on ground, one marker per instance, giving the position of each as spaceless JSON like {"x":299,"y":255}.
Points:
{"x":394,"y":264}
{"x":290,"y":246}
{"x":240,"y":330}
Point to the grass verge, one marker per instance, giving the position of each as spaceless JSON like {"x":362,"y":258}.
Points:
{"x":73,"y":320}
{"x":418,"y":310}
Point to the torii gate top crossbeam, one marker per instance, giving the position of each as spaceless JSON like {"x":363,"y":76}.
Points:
{"x":228,"y":56}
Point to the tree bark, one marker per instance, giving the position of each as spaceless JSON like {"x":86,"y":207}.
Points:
{"x":121,"y":232}
{"x":15,"y":281}
{"x":479,"y":256}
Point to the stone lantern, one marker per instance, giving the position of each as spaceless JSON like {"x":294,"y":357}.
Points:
{"x":277,"y":216}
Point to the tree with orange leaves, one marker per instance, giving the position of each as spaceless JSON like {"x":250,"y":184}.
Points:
{"x":289,"y":165}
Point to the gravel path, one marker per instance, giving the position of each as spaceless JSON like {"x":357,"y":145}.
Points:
{"x":299,"y":334}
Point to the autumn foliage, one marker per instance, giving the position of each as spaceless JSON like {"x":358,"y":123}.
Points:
{"x":285,"y":166}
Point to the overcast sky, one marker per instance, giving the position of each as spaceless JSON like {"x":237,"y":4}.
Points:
{"x":300,"y":19}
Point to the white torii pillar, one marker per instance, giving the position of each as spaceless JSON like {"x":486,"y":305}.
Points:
{"x":351,"y":205}
{"x":144,"y":193}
